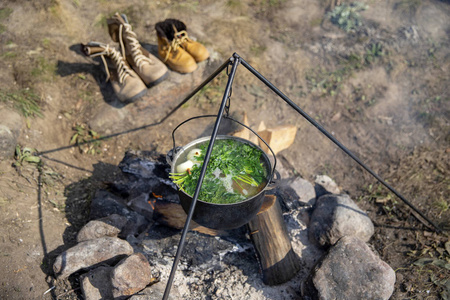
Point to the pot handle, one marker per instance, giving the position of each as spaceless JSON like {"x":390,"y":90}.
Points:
{"x":175,"y":149}
{"x":274,"y":182}
{"x":171,"y":154}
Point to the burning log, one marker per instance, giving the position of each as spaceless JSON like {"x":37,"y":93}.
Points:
{"x":173,"y":215}
{"x":268,"y":232}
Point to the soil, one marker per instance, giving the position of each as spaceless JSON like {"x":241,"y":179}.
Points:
{"x":381,"y":89}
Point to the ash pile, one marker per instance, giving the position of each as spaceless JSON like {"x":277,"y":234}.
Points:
{"x":127,"y":249}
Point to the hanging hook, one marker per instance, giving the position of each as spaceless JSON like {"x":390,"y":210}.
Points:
{"x":228,"y":102}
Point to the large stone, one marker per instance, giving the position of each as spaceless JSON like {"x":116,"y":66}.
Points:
{"x":10,"y":126}
{"x":350,"y":270}
{"x":326,"y":185}
{"x":96,"y":284}
{"x":104,"y":204}
{"x":296,"y":192}
{"x":90,"y":253}
{"x":336,"y":216}
{"x":108,"y":226}
{"x":285,"y":168}
{"x":131,"y":275}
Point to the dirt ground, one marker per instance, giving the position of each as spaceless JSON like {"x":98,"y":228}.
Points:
{"x":381,"y":89}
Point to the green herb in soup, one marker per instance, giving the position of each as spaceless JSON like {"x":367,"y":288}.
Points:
{"x":235,"y":172}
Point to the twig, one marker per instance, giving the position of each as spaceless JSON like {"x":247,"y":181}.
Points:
{"x":68,"y":292}
{"x":52,"y":288}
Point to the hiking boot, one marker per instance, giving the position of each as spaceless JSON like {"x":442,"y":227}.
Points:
{"x":125,"y":82}
{"x":195,"y":49}
{"x":170,"y":50}
{"x":151,"y":70}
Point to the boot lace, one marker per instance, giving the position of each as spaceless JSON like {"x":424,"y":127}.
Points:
{"x":123,"y":71}
{"x":182,"y":36}
{"x":179,"y":37}
{"x":140,"y":59}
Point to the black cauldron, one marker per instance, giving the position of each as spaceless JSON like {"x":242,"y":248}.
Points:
{"x":222,"y":216}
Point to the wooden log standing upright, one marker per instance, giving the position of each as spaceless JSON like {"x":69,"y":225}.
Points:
{"x":278,"y":262}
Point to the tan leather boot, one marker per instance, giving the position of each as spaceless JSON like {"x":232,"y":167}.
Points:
{"x":127,"y":85}
{"x":195,"y":49}
{"x":147,"y":66}
{"x":170,"y":50}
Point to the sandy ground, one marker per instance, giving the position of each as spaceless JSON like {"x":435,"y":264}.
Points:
{"x":381,"y":90}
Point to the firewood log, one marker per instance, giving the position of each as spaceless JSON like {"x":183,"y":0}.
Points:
{"x":278,"y":262}
{"x":172,"y":215}
{"x":278,"y":138}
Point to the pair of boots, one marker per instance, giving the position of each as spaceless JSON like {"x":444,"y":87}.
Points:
{"x":131,"y":70}
{"x":176,"y":49}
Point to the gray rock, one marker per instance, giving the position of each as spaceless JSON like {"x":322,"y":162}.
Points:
{"x":325,"y":185}
{"x":350,"y":270}
{"x":96,"y":284}
{"x":336,"y":216}
{"x":108,"y":226}
{"x":10,"y":126}
{"x":131,"y":275}
{"x":89,"y":253}
{"x":104,"y":204}
{"x":296,"y":192}
{"x":156,"y":292}
{"x":285,"y":169}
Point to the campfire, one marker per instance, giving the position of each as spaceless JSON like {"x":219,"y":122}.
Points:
{"x":290,"y":242}
{"x":128,"y":248}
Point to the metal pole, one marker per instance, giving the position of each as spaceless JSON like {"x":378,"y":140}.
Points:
{"x":207,"y":80}
{"x":235,"y":60}
{"x":334,"y":140}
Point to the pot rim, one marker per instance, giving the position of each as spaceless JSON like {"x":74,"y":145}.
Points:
{"x":180,"y":150}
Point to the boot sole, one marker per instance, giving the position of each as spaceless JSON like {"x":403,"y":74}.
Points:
{"x":135,"y":97}
{"x":159,"y":80}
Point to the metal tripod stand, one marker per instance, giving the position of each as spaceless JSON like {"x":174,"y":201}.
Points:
{"x":234,"y":61}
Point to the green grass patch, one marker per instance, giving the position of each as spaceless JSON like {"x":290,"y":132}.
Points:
{"x":408,"y":6}
{"x":85,"y":95}
{"x":100,"y":21}
{"x":87,"y":140}
{"x":442,"y":206}
{"x":5,"y":13}
{"x":234,"y":4}
{"x":44,"y":70}
{"x":46,"y":43}
{"x":257,"y":50}
{"x":186,"y":6}
{"x":25,"y":101}
{"x":211,"y":93}
{"x":2,"y":28}
{"x":9,"y":54}
{"x":316,"y":22}
{"x":328,"y":82}
{"x":270,"y":3}
{"x":325,"y":82}
{"x":346,"y":16}
{"x":26,"y":155}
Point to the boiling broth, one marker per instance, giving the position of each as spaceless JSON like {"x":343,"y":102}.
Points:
{"x":236,"y":171}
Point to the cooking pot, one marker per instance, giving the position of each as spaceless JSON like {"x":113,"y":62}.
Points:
{"x":223,"y":216}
